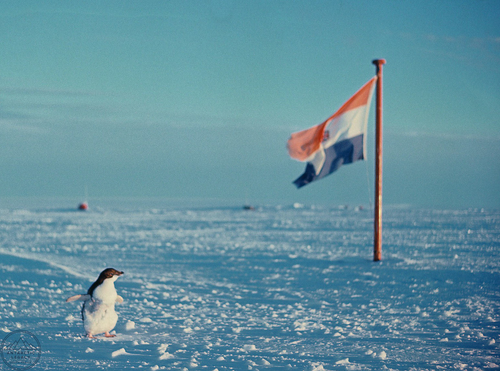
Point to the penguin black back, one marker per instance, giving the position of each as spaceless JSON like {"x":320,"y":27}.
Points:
{"x":107,"y":273}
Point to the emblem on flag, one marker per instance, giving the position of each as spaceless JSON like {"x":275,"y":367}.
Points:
{"x":339,"y":140}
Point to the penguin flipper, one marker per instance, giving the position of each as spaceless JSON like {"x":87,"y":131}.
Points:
{"x":119,"y":299}
{"x":82,"y":297}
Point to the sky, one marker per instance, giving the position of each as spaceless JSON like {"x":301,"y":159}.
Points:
{"x":196,"y":99}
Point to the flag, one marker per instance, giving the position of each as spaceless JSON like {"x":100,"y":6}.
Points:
{"x":341,"y":139}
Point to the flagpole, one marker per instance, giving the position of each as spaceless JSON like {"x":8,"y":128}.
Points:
{"x":377,"y":242}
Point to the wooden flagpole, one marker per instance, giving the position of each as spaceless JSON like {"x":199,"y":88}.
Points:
{"x":377,"y":242}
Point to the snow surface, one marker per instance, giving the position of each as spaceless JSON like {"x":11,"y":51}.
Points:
{"x":279,"y":288}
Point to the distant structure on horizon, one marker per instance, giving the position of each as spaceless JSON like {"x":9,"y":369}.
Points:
{"x":84,"y":205}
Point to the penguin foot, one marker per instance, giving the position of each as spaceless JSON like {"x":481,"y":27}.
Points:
{"x":90,"y":336}
{"x":108,"y":335}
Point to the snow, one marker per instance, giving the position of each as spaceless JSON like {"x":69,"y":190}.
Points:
{"x":119,"y":352}
{"x":281,"y":287}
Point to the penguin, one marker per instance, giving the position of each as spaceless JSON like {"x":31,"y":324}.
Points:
{"x":98,"y":310}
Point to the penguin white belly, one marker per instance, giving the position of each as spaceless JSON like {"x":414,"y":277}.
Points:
{"x":98,"y":317}
{"x":99,"y":312}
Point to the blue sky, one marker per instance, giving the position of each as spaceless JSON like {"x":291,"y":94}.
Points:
{"x":196,"y":99}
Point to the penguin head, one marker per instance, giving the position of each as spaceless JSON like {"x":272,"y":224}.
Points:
{"x":109,"y":274}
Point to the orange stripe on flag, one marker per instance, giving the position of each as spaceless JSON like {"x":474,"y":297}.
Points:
{"x":304,"y":143}
{"x":360,"y":98}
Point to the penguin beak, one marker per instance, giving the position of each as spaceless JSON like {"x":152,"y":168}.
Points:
{"x":119,"y":273}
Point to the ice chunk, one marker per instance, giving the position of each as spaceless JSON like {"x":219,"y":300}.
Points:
{"x":317,"y":367}
{"x":343,"y":362}
{"x":166,"y":355}
{"x":162,"y":348}
{"x":119,"y":352}
{"x":130,"y":325}
{"x":449,"y":313}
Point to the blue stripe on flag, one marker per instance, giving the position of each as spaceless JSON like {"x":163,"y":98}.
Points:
{"x":344,"y":152}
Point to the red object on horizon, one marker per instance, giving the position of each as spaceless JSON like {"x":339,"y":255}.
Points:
{"x":83,"y":206}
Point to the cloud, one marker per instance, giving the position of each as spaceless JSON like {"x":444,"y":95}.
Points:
{"x":18,"y":91}
{"x":13,"y":121}
{"x":42,"y":110}
{"x":448,"y":136}
{"x":20,"y":126}
{"x":477,"y":51}
{"x":455,"y":40}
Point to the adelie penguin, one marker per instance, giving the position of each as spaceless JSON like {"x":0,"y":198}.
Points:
{"x":98,"y":311}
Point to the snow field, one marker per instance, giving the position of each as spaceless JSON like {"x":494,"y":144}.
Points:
{"x":277,"y":288}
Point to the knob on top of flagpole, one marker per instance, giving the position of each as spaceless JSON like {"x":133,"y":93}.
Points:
{"x":378,"y":62}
